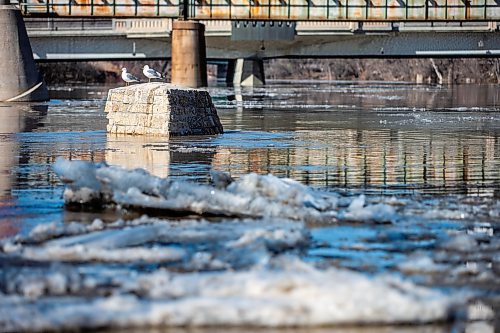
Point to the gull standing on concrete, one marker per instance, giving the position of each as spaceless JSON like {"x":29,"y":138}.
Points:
{"x":128,"y":78}
{"x":151,"y":73}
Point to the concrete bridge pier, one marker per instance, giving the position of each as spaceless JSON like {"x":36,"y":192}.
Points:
{"x":246,"y":72}
{"x":20,"y":80}
{"x":189,"y":59}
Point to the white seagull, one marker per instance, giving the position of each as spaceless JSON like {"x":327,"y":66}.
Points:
{"x":127,"y":77}
{"x":151,"y":73}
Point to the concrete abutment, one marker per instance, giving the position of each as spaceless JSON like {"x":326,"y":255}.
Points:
{"x":20,"y":80}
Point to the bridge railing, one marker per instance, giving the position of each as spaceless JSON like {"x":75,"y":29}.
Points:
{"x":107,"y":8}
{"x":274,"y":10}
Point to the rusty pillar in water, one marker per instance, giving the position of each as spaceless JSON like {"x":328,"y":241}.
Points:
{"x":189,"y":60}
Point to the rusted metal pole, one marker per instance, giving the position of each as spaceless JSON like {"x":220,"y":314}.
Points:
{"x":20,"y":80}
{"x":189,"y":63}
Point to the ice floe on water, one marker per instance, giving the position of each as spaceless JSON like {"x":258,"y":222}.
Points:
{"x":192,"y":272}
{"x":290,"y":294}
{"x":280,"y":291}
{"x":186,"y":244}
{"x":251,"y":195}
{"x":251,"y":265}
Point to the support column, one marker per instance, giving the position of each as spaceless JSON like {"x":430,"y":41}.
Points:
{"x":20,"y":80}
{"x":222,"y":71}
{"x":189,"y":60}
{"x":246,"y":72}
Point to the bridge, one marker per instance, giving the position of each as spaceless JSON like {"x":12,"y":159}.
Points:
{"x":244,"y":32}
{"x":71,"y":39}
{"x":246,"y":43}
{"x":273,"y":10}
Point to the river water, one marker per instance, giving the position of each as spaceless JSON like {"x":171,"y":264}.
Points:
{"x":430,"y":153}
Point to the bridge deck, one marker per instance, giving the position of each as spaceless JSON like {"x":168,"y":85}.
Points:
{"x":274,"y":10}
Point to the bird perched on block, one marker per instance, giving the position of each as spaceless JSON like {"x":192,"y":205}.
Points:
{"x":128,"y":78}
{"x":151,"y":73}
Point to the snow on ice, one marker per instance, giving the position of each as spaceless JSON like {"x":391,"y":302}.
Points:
{"x":251,"y":195}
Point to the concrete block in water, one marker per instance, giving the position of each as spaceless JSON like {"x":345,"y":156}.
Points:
{"x":161,"y":109}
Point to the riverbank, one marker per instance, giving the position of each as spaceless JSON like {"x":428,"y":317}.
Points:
{"x":444,"y":71}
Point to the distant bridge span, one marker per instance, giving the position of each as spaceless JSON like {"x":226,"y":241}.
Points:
{"x":128,"y":39}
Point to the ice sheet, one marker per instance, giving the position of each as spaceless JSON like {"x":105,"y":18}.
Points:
{"x":251,"y":195}
{"x":285,"y":292}
{"x":234,"y":272}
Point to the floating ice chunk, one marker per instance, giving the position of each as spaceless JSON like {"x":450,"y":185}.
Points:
{"x":46,"y":231}
{"x":232,"y":244}
{"x":250,"y":196}
{"x":480,"y":311}
{"x":118,"y":179}
{"x":78,"y":174}
{"x":283,"y":190}
{"x":118,"y":238}
{"x":479,"y":327}
{"x":379,"y":213}
{"x":80,"y":177}
{"x":357,"y":203}
{"x":421,"y":264}
{"x":445,"y":214}
{"x":297,"y":295}
{"x":462,"y":243}
{"x":81,"y":253}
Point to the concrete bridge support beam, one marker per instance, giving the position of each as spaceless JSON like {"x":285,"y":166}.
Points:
{"x":189,"y":59}
{"x":246,"y":73}
{"x":20,"y":80}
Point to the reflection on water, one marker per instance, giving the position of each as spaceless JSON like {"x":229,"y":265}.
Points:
{"x":369,"y":136}
{"x":138,"y":152}
{"x":160,"y":156}
{"x":13,"y":119}
{"x":372,"y":159}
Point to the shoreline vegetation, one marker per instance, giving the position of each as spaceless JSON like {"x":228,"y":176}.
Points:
{"x":431,"y":71}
